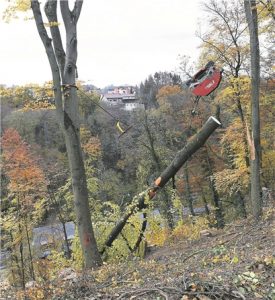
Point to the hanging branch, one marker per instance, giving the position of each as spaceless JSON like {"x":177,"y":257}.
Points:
{"x":181,"y":157}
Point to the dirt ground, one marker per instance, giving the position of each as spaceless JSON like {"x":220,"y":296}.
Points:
{"x":237,"y":262}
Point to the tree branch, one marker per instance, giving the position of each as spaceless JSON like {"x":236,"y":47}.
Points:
{"x":77,"y":9}
{"x":270,"y":8}
{"x":218,"y":50}
{"x":51,"y":13}
{"x":47,"y":42}
{"x":70,"y":69}
{"x":66,"y":13}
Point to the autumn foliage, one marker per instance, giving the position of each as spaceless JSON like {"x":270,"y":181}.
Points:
{"x":21,"y":167}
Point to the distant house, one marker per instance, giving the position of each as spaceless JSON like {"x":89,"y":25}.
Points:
{"x":128,"y":90}
{"x":124,"y":96}
{"x":112,"y":99}
{"x":47,"y":238}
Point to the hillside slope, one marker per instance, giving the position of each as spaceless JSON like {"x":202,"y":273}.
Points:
{"x":235,"y":263}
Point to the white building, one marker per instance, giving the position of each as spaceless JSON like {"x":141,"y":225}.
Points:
{"x":125,"y":96}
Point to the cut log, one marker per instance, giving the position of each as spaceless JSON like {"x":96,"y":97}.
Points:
{"x":181,"y":157}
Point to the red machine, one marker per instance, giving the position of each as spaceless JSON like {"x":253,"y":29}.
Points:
{"x":205,"y":81}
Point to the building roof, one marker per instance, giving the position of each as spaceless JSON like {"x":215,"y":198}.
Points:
{"x":123,"y":97}
{"x":113,"y":96}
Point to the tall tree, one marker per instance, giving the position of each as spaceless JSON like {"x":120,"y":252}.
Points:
{"x":63,"y":68}
{"x":225,"y":43}
{"x":255,"y":146}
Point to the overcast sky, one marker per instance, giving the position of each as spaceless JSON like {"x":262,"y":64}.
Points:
{"x":119,"y":42}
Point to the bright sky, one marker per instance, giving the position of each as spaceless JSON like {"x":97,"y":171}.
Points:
{"x":119,"y":42}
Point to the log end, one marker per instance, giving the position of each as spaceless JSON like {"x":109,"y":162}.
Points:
{"x":215,"y":120}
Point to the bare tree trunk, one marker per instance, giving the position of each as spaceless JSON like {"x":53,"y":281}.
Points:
{"x":30,"y":251}
{"x":46,"y":133}
{"x":216,"y":198}
{"x":21,"y":251}
{"x":139,"y":202}
{"x":205,"y":203}
{"x":244,"y":136}
{"x":63,"y":66}
{"x":68,"y":253}
{"x":188,"y":190}
{"x":255,"y":151}
{"x":15,"y":258}
{"x":141,"y":234}
{"x":240,"y":205}
{"x":166,"y":198}
{"x":168,"y":208}
{"x":192,"y":146}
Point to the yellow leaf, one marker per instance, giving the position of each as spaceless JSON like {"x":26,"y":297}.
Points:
{"x":235,"y":260}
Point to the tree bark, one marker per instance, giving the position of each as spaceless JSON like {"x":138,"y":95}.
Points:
{"x":166,"y":199}
{"x":139,"y":201}
{"x":240,"y":205}
{"x":63,"y":66}
{"x":216,"y":198}
{"x":244,"y":135}
{"x":255,"y":147}
{"x":188,"y":190}
{"x":205,"y":203}
{"x":21,"y":251}
{"x":30,"y":251}
{"x":15,"y":258}
{"x":141,"y":234}
{"x":239,"y":202}
{"x":192,"y":146}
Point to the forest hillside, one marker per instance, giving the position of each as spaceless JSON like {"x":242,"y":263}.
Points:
{"x":160,"y":190}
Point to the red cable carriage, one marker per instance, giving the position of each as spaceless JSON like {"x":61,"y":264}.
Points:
{"x":205,"y":81}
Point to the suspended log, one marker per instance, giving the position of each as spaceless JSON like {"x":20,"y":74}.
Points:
{"x":139,"y":201}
